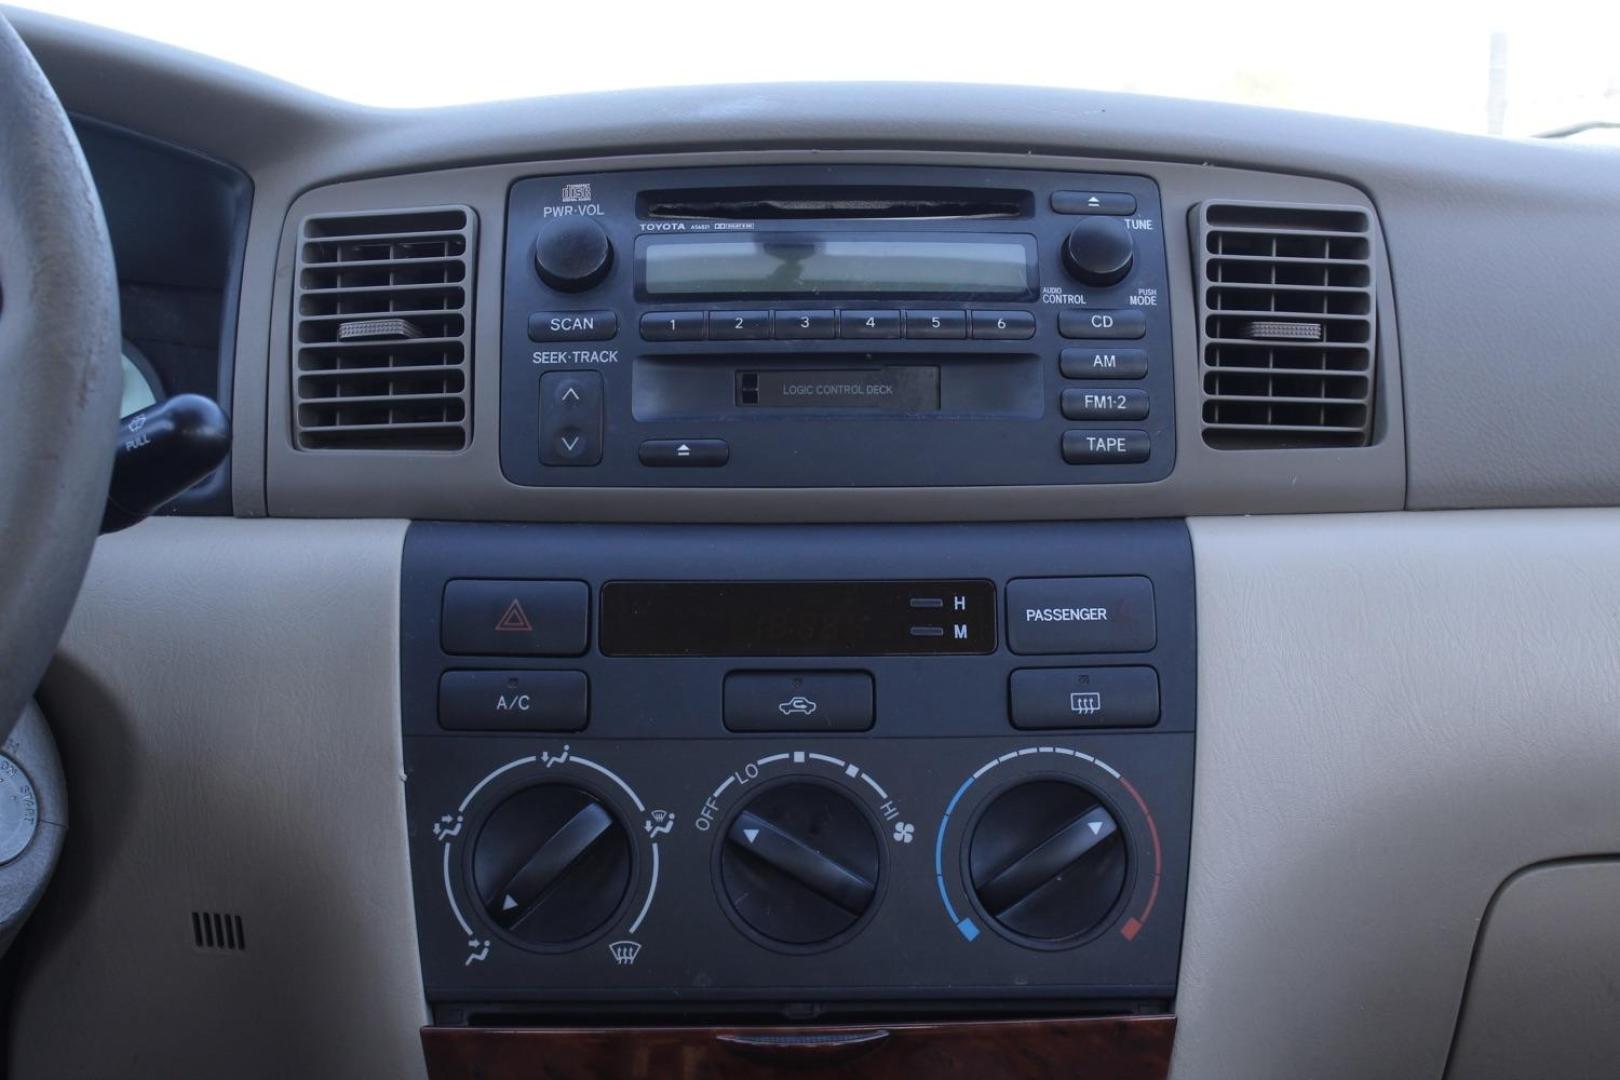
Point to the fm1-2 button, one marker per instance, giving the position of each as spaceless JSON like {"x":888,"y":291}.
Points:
{"x":1048,"y":616}
{"x":515,"y":618}
{"x":1127,"y":404}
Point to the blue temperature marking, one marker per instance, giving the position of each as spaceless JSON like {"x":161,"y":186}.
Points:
{"x":966,"y":926}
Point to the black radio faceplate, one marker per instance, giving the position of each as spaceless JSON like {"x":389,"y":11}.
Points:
{"x":814,"y":326}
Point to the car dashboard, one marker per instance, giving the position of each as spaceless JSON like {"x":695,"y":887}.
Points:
{"x":847,"y":578}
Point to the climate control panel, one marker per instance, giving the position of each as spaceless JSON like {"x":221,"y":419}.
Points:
{"x":812,"y":803}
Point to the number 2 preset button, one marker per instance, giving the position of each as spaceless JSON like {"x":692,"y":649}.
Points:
{"x":806,"y":324}
{"x":739,"y":325}
{"x":672,"y":326}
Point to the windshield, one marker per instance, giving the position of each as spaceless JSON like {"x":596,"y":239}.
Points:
{"x":1517,"y":69}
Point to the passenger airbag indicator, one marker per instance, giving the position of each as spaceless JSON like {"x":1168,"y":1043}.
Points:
{"x":798,"y":618}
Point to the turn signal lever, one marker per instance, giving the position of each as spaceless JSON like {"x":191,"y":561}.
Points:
{"x":163,"y":450}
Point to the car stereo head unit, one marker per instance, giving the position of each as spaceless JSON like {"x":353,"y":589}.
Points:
{"x":811,"y":326}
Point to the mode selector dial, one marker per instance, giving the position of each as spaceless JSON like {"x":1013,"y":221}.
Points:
{"x":551,"y":865}
{"x":1099,"y":251}
{"x":799,"y":864}
{"x":1048,"y":861}
{"x":572,"y":254}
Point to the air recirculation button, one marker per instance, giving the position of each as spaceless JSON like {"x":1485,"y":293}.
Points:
{"x":799,"y":864}
{"x":1048,"y":861}
{"x":551,"y":865}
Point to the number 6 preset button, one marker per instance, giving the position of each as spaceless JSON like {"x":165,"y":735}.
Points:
{"x":1003,"y":325}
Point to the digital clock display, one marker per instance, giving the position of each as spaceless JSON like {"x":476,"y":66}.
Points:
{"x":797,"y":618}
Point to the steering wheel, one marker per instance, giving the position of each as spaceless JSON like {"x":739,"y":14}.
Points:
{"x":60,"y":382}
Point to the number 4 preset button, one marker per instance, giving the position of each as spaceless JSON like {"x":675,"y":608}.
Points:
{"x":869,"y":324}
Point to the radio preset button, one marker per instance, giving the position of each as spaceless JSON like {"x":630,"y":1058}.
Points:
{"x":691,"y":453}
{"x":869,"y":324}
{"x":1083,"y":323}
{"x":739,"y":325}
{"x":673,"y":326}
{"x":1003,"y":325}
{"x":1047,"y":616}
{"x":806,"y":324}
{"x":1093,"y":202}
{"x":1105,"y":404}
{"x":571,"y":418}
{"x":936,"y":324}
{"x":573,"y":325}
{"x":1103,"y":363}
{"x":1105,"y":447}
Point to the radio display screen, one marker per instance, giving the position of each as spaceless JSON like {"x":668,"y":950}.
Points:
{"x":798,"y":618}
{"x":804,"y":265}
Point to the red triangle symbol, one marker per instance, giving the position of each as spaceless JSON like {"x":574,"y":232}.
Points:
{"x":515,"y":619}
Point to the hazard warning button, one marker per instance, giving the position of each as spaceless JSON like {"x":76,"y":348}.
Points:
{"x":515,"y":618}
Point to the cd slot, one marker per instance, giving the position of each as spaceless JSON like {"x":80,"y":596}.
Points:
{"x":806,"y":203}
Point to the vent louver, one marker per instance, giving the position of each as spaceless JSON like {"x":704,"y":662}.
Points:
{"x":1287,"y":298}
{"x":382,"y":330}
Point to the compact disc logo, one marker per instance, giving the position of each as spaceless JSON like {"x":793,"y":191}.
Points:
{"x":576,"y":193}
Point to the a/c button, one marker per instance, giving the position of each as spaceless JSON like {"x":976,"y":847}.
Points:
{"x":513,"y":700}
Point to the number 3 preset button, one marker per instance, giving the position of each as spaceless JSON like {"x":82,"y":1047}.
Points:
{"x":806,"y":324}
{"x":1050,"y":616}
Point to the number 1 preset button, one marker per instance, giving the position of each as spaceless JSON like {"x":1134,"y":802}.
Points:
{"x":673,"y":326}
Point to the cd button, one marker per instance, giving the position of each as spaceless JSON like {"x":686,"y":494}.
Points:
{"x":1081,"y":323}
{"x":936,"y":324}
{"x":1103,"y":363}
{"x":572,"y":325}
{"x":672,"y":326}
{"x":869,"y":324}
{"x":1105,"y":447}
{"x":1012,"y":325}
{"x":1093,"y":202}
{"x":739,"y":325}
{"x":699,"y":453}
{"x":1105,"y":404}
{"x":806,"y":324}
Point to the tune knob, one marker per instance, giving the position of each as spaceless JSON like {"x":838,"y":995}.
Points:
{"x":799,"y":864}
{"x":1047,"y":861}
{"x":1099,"y":251}
{"x":572,"y":254}
{"x":551,"y":865}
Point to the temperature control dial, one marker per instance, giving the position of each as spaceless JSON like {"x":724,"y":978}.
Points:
{"x":551,"y":865}
{"x":1047,"y":861}
{"x":799,"y":863}
{"x":572,"y":254}
{"x":1099,"y":251}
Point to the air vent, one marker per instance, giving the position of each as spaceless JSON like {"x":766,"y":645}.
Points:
{"x":1288,"y":331}
{"x":382,"y":330}
{"x":218,"y":931}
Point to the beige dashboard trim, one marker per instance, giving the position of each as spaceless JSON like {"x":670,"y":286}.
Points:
{"x":1396,"y":713}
